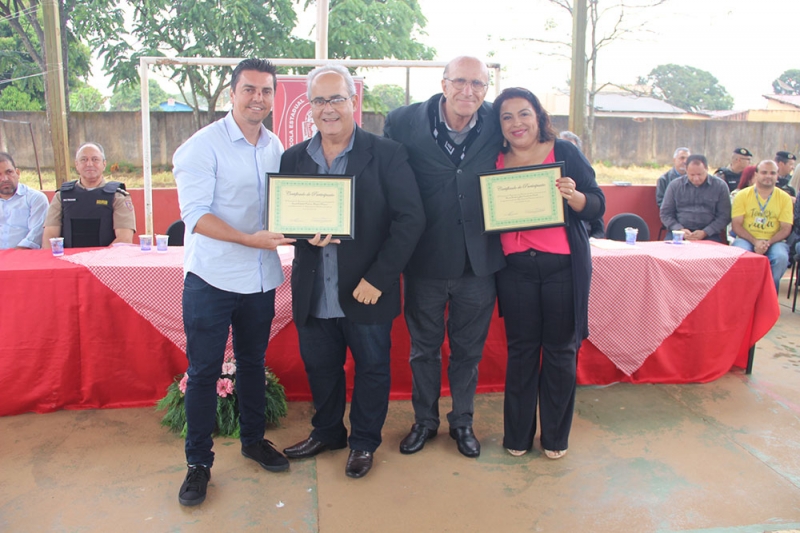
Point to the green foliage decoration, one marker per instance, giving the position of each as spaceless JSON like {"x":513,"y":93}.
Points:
{"x":227,"y":415}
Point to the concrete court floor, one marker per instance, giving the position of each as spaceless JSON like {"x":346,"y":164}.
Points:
{"x":722,"y":457}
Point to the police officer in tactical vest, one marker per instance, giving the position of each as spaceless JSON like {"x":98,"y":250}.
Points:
{"x":90,"y":211}
{"x":733,"y":173}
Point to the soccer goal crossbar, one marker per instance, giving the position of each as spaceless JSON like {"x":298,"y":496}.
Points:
{"x":144,"y":70}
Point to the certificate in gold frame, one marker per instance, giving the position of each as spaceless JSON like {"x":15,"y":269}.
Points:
{"x":301,"y":205}
{"x":522,"y":198}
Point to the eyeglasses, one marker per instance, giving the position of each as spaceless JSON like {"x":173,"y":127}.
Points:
{"x":477,"y":85}
{"x":336,"y":102}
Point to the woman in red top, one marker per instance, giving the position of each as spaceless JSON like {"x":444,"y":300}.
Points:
{"x":544,"y":290}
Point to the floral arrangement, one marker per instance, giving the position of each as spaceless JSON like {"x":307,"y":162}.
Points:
{"x":227,"y":403}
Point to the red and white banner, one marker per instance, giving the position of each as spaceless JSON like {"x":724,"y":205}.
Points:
{"x":291,"y":111}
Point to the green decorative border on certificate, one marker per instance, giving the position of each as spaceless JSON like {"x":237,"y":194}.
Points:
{"x":522,"y":198}
{"x":302,"y":205}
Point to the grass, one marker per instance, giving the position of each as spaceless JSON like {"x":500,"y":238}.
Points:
{"x":637,"y":175}
{"x":132,"y":180}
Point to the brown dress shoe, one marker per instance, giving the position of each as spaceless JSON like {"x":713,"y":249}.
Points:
{"x":358,"y":464}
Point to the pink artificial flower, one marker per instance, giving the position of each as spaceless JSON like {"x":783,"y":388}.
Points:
{"x":229,"y":368}
{"x":182,"y":384}
{"x":224,"y":387}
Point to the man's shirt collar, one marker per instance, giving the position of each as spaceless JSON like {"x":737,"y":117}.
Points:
{"x":235,"y":132}
{"x":472,"y":121}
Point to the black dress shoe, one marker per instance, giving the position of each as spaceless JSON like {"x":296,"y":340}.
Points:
{"x":416,"y":439}
{"x":358,"y":463}
{"x":309,"y":448}
{"x":467,"y":443}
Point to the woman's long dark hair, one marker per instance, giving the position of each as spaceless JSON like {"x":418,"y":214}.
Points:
{"x":546,"y":131}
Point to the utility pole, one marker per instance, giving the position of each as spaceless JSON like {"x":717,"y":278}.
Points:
{"x":577,"y":89}
{"x":56,"y":90}
{"x":322,"y":30}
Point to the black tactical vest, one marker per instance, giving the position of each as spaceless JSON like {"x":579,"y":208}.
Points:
{"x":87,"y":217}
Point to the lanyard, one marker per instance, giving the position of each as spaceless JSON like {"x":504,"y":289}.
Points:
{"x":758,"y":199}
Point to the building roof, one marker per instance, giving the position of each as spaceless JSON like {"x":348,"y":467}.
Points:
{"x":172,"y":105}
{"x":629,"y":103}
{"x":789,"y":99}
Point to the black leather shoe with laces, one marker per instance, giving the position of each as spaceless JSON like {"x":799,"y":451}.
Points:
{"x":265,"y":454}
{"x":193,"y":490}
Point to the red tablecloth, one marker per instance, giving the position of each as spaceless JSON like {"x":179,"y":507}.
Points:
{"x":71,"y":342}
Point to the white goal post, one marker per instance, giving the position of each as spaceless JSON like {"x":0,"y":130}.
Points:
{"x":144,"y":69}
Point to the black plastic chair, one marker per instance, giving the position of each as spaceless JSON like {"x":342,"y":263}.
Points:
{"x":615,"y":230}
{"x":175,"y":232}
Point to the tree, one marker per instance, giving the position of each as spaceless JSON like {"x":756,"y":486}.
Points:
{"x":687,"y":87}
{"x":191,"y":28}
{"x":238,"y":28}
{"x":129,"y":97}
{"x":21,"y":56}
{"x":608,"y":22}
{"x":86,"y":98}
{"x":21,"y":38}
{"x":787,"y":83}
{"x":12,"y":99}
{"x":376,"y":29}
{"x":384,"y":98}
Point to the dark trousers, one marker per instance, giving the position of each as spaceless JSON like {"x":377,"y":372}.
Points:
{"x":470,"y":302}
{"x":535,"y":292}
{"x":208,"y":315}
{"x":323,"y":347}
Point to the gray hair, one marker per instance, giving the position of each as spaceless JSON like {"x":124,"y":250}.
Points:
{"x":331,"y":67}
{"x":90,"y":143}
{"x":679,"y":150}
{"x":571,"y":137}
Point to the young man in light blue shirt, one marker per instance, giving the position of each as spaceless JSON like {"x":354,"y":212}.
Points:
{"x":22,"y":209}
{"x":231,"y":269}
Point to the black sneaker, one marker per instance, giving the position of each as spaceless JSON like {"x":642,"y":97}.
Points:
{"x":193,"y":490}
{"x":266,"y":455}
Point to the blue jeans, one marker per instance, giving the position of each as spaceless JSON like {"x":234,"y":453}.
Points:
{"x":208,"y":315}
{"x":323,"y":347}
{"x":778,"y":255}
{"x":470,"y":302}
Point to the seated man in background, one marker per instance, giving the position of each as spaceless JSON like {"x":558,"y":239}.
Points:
{"x":785,"y":162}
{"x":22,"y":209}
{"x":90,"y":211}
{"x":733,"y":173}
{"x":762,"y":219}
{"x":678,"y":169}
{"x":697,"y":203}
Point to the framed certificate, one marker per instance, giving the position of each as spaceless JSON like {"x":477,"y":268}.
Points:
{"x":302,"y":205}
{"x":522,"y":198}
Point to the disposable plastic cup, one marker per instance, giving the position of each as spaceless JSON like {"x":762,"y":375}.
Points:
{"x":162,"y":242}
{"x":57,"y":246}
{"x":630,"y":235}
{"x":145,"y":243}
{"x":677,"y":236}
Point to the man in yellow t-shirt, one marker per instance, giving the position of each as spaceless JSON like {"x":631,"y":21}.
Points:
{"x":762,"y":217}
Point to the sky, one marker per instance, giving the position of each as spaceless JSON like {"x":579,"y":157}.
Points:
{"x":745,"y":44}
